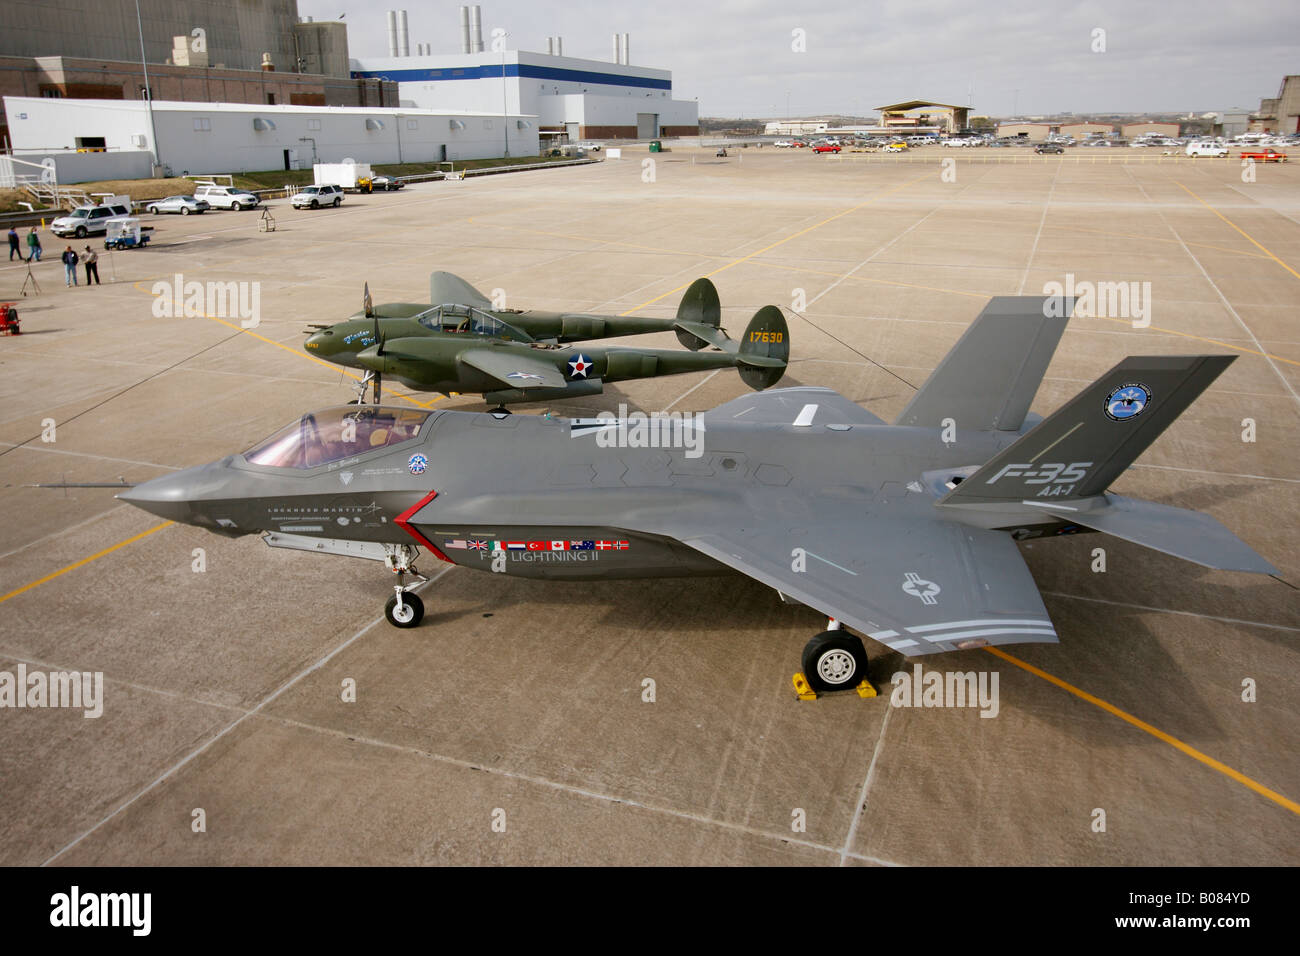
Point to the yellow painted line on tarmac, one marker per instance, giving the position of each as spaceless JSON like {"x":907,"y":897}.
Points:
{"x":780,"y":242}
{"x":84,"y":561}
{"x":292,"y":351}
{"x":1159,"y":734}
{"x":1253,"y":241}
{"x":1202,"y":338}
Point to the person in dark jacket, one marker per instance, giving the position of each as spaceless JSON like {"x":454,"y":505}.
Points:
{"x":14,"y":248}
{"x":69,"y":266}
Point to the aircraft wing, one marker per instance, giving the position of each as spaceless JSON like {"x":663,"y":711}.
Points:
{"x":514,"y":370}
{"x":919,"y":586}
{"x":445,"y":288}
{"x":785,"y":406}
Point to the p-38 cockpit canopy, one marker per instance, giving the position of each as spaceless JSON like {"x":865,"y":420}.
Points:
{"x":466,"y":319}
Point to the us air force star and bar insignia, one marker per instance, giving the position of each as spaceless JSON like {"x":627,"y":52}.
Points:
{"x":1127,"y":402}
{"x":579,"y":365}
{"x":525,"y":376}
{"x":918,"y":587}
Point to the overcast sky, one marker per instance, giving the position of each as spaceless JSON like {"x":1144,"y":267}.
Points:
{"x":735,"y":56}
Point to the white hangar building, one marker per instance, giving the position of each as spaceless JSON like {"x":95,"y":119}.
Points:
{"x":247,"y":137}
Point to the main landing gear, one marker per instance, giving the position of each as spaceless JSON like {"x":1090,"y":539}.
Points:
{"x":404,"y":608}
{"x":833,"y":660}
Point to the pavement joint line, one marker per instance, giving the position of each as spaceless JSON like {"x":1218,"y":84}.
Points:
{"x":698,"y":384}
{"x":1156,"y":732}
{"x":84,"y":561}
{"x":1224,"y":299}
{"x":1258,"y":245}
{"x":28,"y":446}
{"x":203,"y":747}
{"x":62,"y":531}
{"x":1170,"y":610}
{"x":1201,"y":338}
{"x":1033,"y":250}
{"x":1221,"y":474}
{"x":794,"y":235}
{"x":866,"y":787}
{"x":568,"y":788}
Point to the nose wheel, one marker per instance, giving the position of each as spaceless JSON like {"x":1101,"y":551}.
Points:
{"x":834,"y":660}
{"x":404,"y":609}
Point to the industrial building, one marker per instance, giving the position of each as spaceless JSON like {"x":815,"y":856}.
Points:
{"x":921,"y":116}
{"x":572,"y":98}
{"x":241,"y":137}
{"x":1280,"y":114}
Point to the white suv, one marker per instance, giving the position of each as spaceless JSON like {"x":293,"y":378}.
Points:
{"x":226,"y":197}
{"x":87,"y":221}
{"x":316,"y":196}
{"x":1206,"y":149}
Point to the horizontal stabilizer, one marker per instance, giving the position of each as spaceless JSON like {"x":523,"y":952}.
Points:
{"x":701,"y":334}
{"x":1189,"y":535}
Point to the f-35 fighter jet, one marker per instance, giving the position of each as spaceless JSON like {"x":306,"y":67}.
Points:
{"x":905,"y":532}
{"x":462,"y":344}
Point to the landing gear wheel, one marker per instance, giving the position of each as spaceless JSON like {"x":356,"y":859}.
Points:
{"x":834,"y":660}
{"x":408,"y":615}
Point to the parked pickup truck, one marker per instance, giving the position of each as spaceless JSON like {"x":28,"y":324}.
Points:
{"x":1265,"y":156}
{"x":87,"y":221}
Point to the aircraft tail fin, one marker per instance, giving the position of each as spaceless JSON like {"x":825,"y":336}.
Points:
{"x":764,"y":349}
{"x":988,"y":379}
{"x":1077,"y":451}
{"x":701,"y":308}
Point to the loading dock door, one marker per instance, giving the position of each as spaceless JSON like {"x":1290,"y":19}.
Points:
{"x":571,"y":132}
{"x":647,"y":125}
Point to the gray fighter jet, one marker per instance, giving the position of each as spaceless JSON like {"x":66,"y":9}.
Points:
{"x":905,"y":532}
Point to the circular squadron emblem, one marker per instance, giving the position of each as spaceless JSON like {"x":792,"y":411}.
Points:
{"x":417,"y":464}
{"x":1127,"y":402}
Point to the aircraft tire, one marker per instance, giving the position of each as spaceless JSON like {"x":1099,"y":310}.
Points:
{"x":411,"y":605}
{"x":834,"y":660}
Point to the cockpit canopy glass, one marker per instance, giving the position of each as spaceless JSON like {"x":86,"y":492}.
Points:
{"x":333,"y":434}
{"x":467,"y":319}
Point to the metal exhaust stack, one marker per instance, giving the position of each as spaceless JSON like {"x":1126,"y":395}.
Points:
{"x":392,"y":33}
{"x":464,"y":29}
{"x":476,"y":29}
{"x":403,"y":35}
{"x":618,"y":50}
{"x":627,"y":51}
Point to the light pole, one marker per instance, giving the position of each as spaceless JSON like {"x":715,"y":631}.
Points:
{"x":505,"y":125}
{"x":148,"y":93}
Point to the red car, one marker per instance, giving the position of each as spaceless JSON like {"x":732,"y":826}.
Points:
{"x":826,"y":148}
{"x":798,"y":142}
{"x":1266,"y":156}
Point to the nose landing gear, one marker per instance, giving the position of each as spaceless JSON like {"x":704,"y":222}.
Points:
{"x":404,"y":608}
{"x":833,"y":660}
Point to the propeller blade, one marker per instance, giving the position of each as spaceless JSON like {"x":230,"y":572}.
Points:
{"x":367,"y":306}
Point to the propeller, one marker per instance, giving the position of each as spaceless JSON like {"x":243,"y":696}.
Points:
{"x":379,"y":342}
{"x":367,"y":306}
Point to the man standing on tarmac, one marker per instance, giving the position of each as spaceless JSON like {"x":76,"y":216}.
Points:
{"x":69,"y":266}
{"x":13,"y":244}
{"x":91,"y":259}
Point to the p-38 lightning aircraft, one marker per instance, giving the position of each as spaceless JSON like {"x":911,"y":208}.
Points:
{"x":461,"y":344}
{"x":888,"y":529}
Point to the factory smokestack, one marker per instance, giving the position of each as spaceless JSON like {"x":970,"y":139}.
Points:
{"x":550,"y":46}
{"x":464,"y":29}
{"x":392,"y":33}
{"x":618,"y":50}
{"x":476,"y":29}
{"x":559,"y":46}
{"x":403,"y":35}
{"x":627,"y":49}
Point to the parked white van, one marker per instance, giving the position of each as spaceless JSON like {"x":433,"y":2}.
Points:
{"x":1206,"y":148}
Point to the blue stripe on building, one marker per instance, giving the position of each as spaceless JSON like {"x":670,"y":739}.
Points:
{"x":525,"y":70}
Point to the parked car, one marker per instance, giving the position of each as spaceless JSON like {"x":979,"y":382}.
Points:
{"x":388,"y":183}
{"x":798,"y":143}
{"x":956,"y":142}
{"x":1269,"y":155}
{"x":1049,"y":148}
{"x":898,"y":147}
{"x":226,"y":197}
{"x":594,"y":147}
{"x":783,"y":144}
{"x":181,"y":204}
{"x":1205,"y":148}
{"x":87,"y":221}
{"x":313,"y":197}
{"x":826,"y":148}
